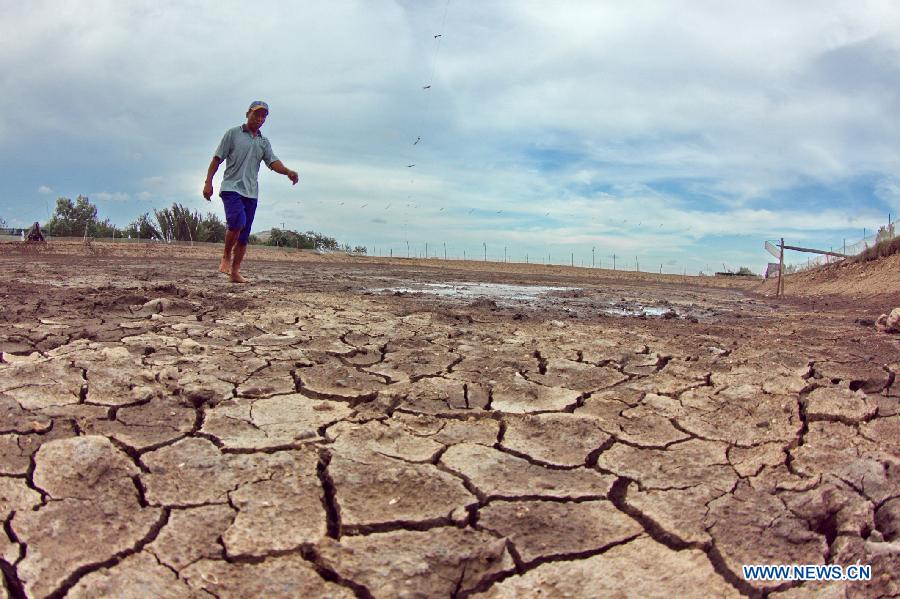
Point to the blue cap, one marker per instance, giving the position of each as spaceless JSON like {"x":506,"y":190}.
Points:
{"x":256,"y":105}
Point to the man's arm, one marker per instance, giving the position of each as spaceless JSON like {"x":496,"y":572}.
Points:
{"x":210,"y":173}
{"x":279,"y":168}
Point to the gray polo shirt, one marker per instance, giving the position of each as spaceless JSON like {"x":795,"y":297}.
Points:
{"x":242,"y":154}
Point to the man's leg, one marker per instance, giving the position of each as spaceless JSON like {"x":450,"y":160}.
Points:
{"x":240,"y":247}
{"x":230,"y":238}
{"x":237,"y":257}
{"x":235,"y":219}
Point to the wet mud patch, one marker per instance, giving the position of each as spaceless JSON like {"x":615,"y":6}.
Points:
{"x":572,"y":302}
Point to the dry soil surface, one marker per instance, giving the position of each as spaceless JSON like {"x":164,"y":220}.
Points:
{"x":351,"y":427}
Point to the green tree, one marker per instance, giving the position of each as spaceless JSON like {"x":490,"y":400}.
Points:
{"x":71,"y":219}
{"x":211,"y":229}
{"x":360,"y":249}
{"x":178,"y":223}
{"x":103,"y":228}
{"x":143,"y":228}
{"x":323,"y":242}
{"x":79,"y":218}
{"x":309,"y":240}
{"x":165,"y":223}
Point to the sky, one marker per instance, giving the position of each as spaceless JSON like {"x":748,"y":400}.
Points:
{"x":676,"y":135}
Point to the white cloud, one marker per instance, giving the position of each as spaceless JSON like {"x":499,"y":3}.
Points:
{"x":888,"y":190}
{"x":44,"y":189}
{"x":106,"y":196}
{"x":578,"y":122}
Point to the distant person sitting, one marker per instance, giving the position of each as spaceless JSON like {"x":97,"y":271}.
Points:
{"x":35,"y":233}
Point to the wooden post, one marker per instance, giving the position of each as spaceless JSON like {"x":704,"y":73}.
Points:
{"x":780,"y":290}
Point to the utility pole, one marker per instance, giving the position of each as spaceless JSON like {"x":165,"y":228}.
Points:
{"x":592,"y":256}
{"x":504,"y":254}
{"x":484,"y":243}
{"x":614,"y":261}
{"x":637,"y":265}
{"x":445,"y":250}
{"x":779,"y":291}
{"x":407,"y":248}
{"x":573,"y":258}
{"x":426,"y":250}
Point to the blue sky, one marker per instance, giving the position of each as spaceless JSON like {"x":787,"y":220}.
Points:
{"x":683,"y":133}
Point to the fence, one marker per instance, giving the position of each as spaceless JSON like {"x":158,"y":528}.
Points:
{"x":886,"y":232}
{"x":587,"y":258}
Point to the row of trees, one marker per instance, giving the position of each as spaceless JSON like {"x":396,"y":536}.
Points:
{"x":79,"y":218}
{"x":309,"y":240}
{"x":177,"y":223}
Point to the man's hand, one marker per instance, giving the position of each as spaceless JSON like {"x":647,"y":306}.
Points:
{"x":210,"y":173}
{"x":279,"y":168}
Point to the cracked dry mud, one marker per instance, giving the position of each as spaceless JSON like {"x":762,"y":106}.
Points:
{"x":164,"y":433}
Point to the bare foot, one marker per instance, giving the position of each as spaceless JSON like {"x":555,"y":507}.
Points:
{"x":236,"y":278}
{"x":225,"y":266}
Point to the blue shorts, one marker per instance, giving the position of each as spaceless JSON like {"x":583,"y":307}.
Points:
{"x":239,"y":213}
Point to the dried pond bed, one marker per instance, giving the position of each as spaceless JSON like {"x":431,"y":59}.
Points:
{"x":165,"y":432}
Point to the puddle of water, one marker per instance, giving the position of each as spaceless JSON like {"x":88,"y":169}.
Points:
{"x":637,"y":310}
{"x":495,"y":291}
{"x":501,"y":294}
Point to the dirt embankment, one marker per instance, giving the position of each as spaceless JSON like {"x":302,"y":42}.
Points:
{"x":874,"y":280}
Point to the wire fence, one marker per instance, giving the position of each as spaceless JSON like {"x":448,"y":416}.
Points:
{"x":794,"y":262}
{"x":441,"y":251}
{"x":581,"y":257}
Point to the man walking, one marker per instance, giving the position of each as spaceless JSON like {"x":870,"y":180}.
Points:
{"x":242,"y":149}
